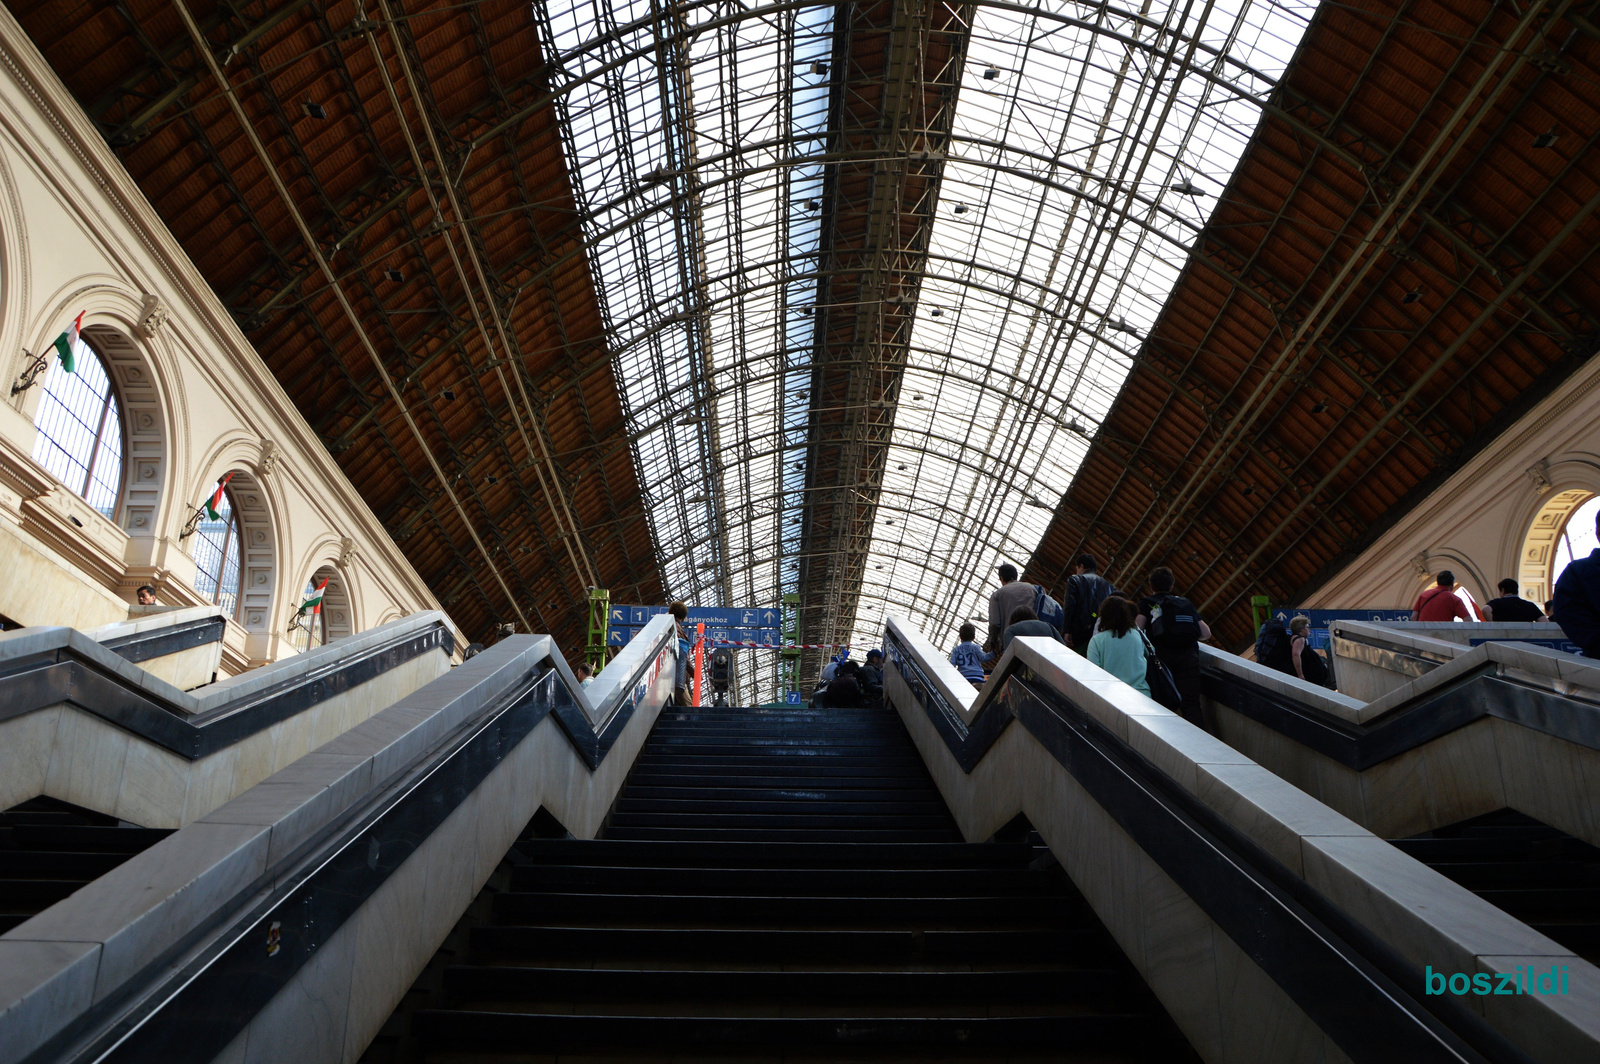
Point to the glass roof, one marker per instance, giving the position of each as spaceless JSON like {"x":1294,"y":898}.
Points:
{"x":1089,"y":147}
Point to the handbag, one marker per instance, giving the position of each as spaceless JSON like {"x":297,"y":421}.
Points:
{"x":1157,"y":677}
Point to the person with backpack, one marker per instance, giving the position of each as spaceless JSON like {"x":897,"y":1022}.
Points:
{"x":1272,"y":646}
{"x":1175,"y":628}
{"x":1025,"y":622}
{"x":1086,"y":590}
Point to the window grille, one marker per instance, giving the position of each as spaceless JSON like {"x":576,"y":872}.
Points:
{"x":80,"y":431}
{"x":218,"y":547}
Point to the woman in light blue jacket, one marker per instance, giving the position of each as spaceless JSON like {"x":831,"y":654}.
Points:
{"x":1118,"y":647}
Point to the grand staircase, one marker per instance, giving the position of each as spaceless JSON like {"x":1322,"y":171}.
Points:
{"x":1542,"y":876}
{"x":780,"y":885}
{"x":48,"y":849}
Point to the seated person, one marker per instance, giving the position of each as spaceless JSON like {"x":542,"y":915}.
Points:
{"x":1024,"y":621}
{"x":968,"y":657}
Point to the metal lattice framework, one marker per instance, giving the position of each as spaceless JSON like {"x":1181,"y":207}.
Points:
{"x":842,"y":300}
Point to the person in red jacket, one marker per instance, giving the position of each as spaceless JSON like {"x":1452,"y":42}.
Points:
{"x":1440,"y":604}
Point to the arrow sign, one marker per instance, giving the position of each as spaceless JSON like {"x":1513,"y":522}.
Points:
{"x":619,"y":615}
{"x":769,"y":618}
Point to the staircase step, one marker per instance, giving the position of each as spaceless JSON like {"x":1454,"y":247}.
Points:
{"x":802,"y":817}
{"x":781,"y":946}
{"x":676,"y":853}
{"x":81,"y":839}
{"x":643,"y":834}
{"x":926,"y":880}
{"x":503,"y":984}
{"x":780,"y":805}
{"x":775,"y":756}
{"x":670,"y":797}
{"x":785,"y":775}
{"x":735,"y":911}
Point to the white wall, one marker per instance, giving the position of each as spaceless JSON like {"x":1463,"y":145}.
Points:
{"x":1477,"y":524}
{"x":77,"y":234}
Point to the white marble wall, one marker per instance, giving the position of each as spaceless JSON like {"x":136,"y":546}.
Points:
{"x":87,"y":947}
{"x":1179,"y":950}
{"x":76,"y":234}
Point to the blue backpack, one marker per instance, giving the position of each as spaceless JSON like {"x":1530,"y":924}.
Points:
{"x":1048,"y":609}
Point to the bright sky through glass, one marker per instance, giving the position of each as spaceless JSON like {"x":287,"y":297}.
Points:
{"x":704,"y":249}
{"x":1065,"y":217}
{"x":1062,"y":227}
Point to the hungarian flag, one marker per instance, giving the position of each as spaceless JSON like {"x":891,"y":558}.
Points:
{"x":67,"y":341}
{"x":313,"y":602}
{"x":216,"y":496}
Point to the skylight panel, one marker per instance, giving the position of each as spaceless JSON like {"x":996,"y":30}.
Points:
{"x":1070,"y":242}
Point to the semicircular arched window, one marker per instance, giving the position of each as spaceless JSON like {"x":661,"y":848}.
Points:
{"x":80,"y":435}
{"x":1578,"y":537}
{"x":217,"y":550}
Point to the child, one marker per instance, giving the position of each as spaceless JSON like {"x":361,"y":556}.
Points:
{"x":968,"y":656}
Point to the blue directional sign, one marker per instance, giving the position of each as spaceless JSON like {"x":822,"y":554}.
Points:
{"x":1566,"y":646}
{"x":1322,"y":620}
{"x":725,"y":626}
{"x":792,"y":698}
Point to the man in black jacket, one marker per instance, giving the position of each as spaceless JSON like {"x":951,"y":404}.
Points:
{"x":1086,"y":589}
{"x":1175,"y":629}
{"x":1578,"y":603}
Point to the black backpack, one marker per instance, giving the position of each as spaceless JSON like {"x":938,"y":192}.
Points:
{"x":1174,"y":620}
{"x":1315,"y":669}
{"x":1272,"y":647}
{"x":1092,"y":589}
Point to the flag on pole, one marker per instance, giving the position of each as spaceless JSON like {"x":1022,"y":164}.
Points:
{"x":67,"y":341}
{"x":313,"y":602}
{"x":216,"y":497}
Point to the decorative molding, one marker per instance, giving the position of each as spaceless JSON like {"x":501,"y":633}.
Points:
{"x":347,"y":552}
{"x":271,"y":455}
{"x":1538,"y":477}
{"x":152,"y":316}
{"x":1420,"y":565}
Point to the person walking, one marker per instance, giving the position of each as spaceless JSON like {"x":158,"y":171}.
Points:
{"x":1118,"y":647}
{"x":1086,"y":590}
{"x":1440,"y":604}
{"x":1308,"y":664}
{"x":1004,"y":600}
{"x":1577,"y":602}
{"x":968,"y":657}
{"x":1511,"y":606}
{"x":1025,"y":622}
{"x":1175,"y":628}
{"x":680,"y":680}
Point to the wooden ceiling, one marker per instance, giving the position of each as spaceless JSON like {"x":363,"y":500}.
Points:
{"x":1402,"y":264}
{"x":533,"y":477}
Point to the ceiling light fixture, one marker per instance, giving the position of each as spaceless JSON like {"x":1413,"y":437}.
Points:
{"x":1413,"y":296}
{"x":991,"y":73}
{"x":394,"y":275}
{"x":314,"y":109}
{"x":1545,"y":140}
{"x":819,"y":68}
{"x":936,"y":312}
{"x":448,"y":393}
{"x":1250,"y":489}
{"x":1185,"y":187}
{"x":961,"y":208}
{"x":1321,"y":407}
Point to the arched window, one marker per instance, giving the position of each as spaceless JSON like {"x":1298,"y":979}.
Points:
{"x":311,"y":628}
{"x":217,"y":550}
{"x":80,"y":430}
{"x":1577,"y":537}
